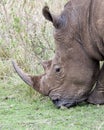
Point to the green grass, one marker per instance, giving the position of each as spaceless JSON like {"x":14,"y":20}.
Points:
{"x":28,"y":38}
{"x":20,"y":110}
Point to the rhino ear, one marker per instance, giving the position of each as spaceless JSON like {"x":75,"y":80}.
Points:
{"x":57,"y":21}
{"x":47,"y":14}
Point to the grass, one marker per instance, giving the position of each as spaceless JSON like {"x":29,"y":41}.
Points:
{"x":26,"y":37}
{"x":20,"y":110}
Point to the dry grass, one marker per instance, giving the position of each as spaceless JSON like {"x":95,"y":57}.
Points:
{"x":24,"y":34}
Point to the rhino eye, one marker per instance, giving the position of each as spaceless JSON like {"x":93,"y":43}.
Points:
{"x":57,"y":69}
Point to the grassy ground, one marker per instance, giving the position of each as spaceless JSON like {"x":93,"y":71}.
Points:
{"x":26,"y":37}
{"x":21,"y":109}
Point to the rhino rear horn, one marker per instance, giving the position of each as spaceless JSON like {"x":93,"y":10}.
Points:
{"x":46,"y":64}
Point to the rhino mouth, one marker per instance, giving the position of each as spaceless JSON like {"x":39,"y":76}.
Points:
{"x":67,"y":103}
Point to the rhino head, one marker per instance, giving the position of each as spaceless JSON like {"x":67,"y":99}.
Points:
{"x":71,"y":74}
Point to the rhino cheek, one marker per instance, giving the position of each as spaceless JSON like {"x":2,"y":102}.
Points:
{"x":44,"y":86}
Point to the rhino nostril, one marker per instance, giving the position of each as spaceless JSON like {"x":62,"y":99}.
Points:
{"x":55,"y":101}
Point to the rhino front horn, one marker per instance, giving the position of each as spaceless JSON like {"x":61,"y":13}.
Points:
{"x":33,"y":81}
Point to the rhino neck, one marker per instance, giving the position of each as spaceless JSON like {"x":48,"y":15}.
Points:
{"x":91,"y":30}
{"x":82,"y":17}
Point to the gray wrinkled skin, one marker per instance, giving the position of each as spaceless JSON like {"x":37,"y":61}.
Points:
{"x":79,"y":38}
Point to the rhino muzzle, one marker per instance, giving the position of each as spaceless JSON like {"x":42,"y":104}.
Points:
{"x":63,"y":103}
{"x":67,"y":103}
